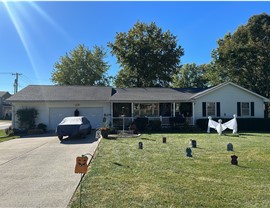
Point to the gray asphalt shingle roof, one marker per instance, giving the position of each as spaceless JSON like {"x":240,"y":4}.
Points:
{"x":62,"y":93}
{"x":154,"y":94}
{"x":97,"y":93}
{"x":2,"y":93}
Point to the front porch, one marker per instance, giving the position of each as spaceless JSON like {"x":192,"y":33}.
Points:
{"x":171,"y":113}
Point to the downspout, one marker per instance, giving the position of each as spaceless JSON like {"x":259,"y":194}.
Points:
{"x":193,"y":113}
{"x":132,"y":115}
{"x":111,"y":115}
{"x":13,"y":116}
{"x":173,"y":109}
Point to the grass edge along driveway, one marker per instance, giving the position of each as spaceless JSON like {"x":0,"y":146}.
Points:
{"x":5,"y":137}
{"x":160,"y":175}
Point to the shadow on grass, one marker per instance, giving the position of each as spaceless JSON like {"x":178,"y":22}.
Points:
{"x":253,"y":134}
{"x":120,"y":165}
{"x":231,"y":135}
{"x":244,"y":167}
{"x":148,"y":139}
{"x":197,"y":147}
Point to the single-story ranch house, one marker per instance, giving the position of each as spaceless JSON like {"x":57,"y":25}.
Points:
{"x":53,"y":103}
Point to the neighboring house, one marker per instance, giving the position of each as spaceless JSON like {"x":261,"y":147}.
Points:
{"x":5,"y":108}
{"x":96,"y":103}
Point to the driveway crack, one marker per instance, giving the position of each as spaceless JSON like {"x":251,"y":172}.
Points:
{"x":25,"y":153}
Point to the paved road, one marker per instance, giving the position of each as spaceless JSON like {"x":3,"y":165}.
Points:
{"x":5,"y":124}
{"x":39,"y":172}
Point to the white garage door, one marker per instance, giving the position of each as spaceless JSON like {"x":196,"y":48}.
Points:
{"x":94,"y":115}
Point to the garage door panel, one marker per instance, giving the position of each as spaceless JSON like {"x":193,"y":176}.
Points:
{"x":57,"y":115}
{"x":94,"y":115}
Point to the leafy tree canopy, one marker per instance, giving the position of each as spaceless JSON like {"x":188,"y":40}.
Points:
{"x":244,"y":57}
{"x":148,"y":56}
{"x":190,"y":75}
{"x":82,"y":66}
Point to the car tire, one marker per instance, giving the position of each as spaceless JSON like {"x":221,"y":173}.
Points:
{"x":60,"y":138}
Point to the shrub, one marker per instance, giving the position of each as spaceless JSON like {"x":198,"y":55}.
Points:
{"x":27,"y":117}
{"x":253,"y":124}
{"x":35,"y":131}
{"x":141,"y":123}
{"x":155,"y":125}
{"x":243,"y":124}
{"x":42,"y":126}
{"x":19,"y":131}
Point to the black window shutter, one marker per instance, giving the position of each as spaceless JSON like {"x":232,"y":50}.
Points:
{"x":238,"y":109}
{"x":204,"y":109}
{"x":218,"y":109}
{"x":252,"y":108}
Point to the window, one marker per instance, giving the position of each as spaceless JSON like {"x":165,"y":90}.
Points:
{"x":165,"y":109}
{"x":211,"y":109}
{"x":146,"y":109}
{"x":183,"y":109}
{"x":121,"y":108}
{"x":245,"y":109}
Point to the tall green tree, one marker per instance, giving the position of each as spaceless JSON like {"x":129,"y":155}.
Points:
{"x":190,"y":75}
{"x":244,"y":56}
{"x":82,"y":66}
{"x":148,"y":56}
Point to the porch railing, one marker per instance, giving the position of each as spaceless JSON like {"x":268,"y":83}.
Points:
{"x":165,"y":121}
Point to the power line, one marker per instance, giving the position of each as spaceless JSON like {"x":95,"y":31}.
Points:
{"x":5,"y":72}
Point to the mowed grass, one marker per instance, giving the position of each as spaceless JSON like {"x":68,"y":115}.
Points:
{"x":4,"y":137}
{"x":160,"y":175}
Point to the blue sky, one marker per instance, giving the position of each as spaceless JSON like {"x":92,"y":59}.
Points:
{"x":34,"y":35}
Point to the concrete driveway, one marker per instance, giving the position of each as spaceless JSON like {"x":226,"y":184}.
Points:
{"x":39,"y":172}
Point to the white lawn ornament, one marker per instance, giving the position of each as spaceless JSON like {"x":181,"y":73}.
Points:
{"x":98,"y":134}
{"x":231,"y":124}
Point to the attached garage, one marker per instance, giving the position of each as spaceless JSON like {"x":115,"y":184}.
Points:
{"x":94,"y":115}
{"x":53,"y":103}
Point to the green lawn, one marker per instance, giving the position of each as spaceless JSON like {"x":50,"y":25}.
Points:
{"x":4,"y":137}
{"x":160,"y":175}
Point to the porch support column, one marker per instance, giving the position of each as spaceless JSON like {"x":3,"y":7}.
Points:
{"x":193,"y":113}
{"x":132,"y":115}
{"x":173,"y":109}
{"x":111,"y":113}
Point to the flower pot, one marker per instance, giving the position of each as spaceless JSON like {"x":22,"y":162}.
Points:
{"x":104,"y":133}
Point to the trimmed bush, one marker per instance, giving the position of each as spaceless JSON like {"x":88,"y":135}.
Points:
{"x":27,"y":117}
{"x":155,"y":125}
{"x":243,"y":124}
{"x":42,"y":126}
{"x":35,"y":131}
{"x":141,"y":123}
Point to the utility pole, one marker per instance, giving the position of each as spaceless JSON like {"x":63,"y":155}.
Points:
{"x":16,"y":82}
